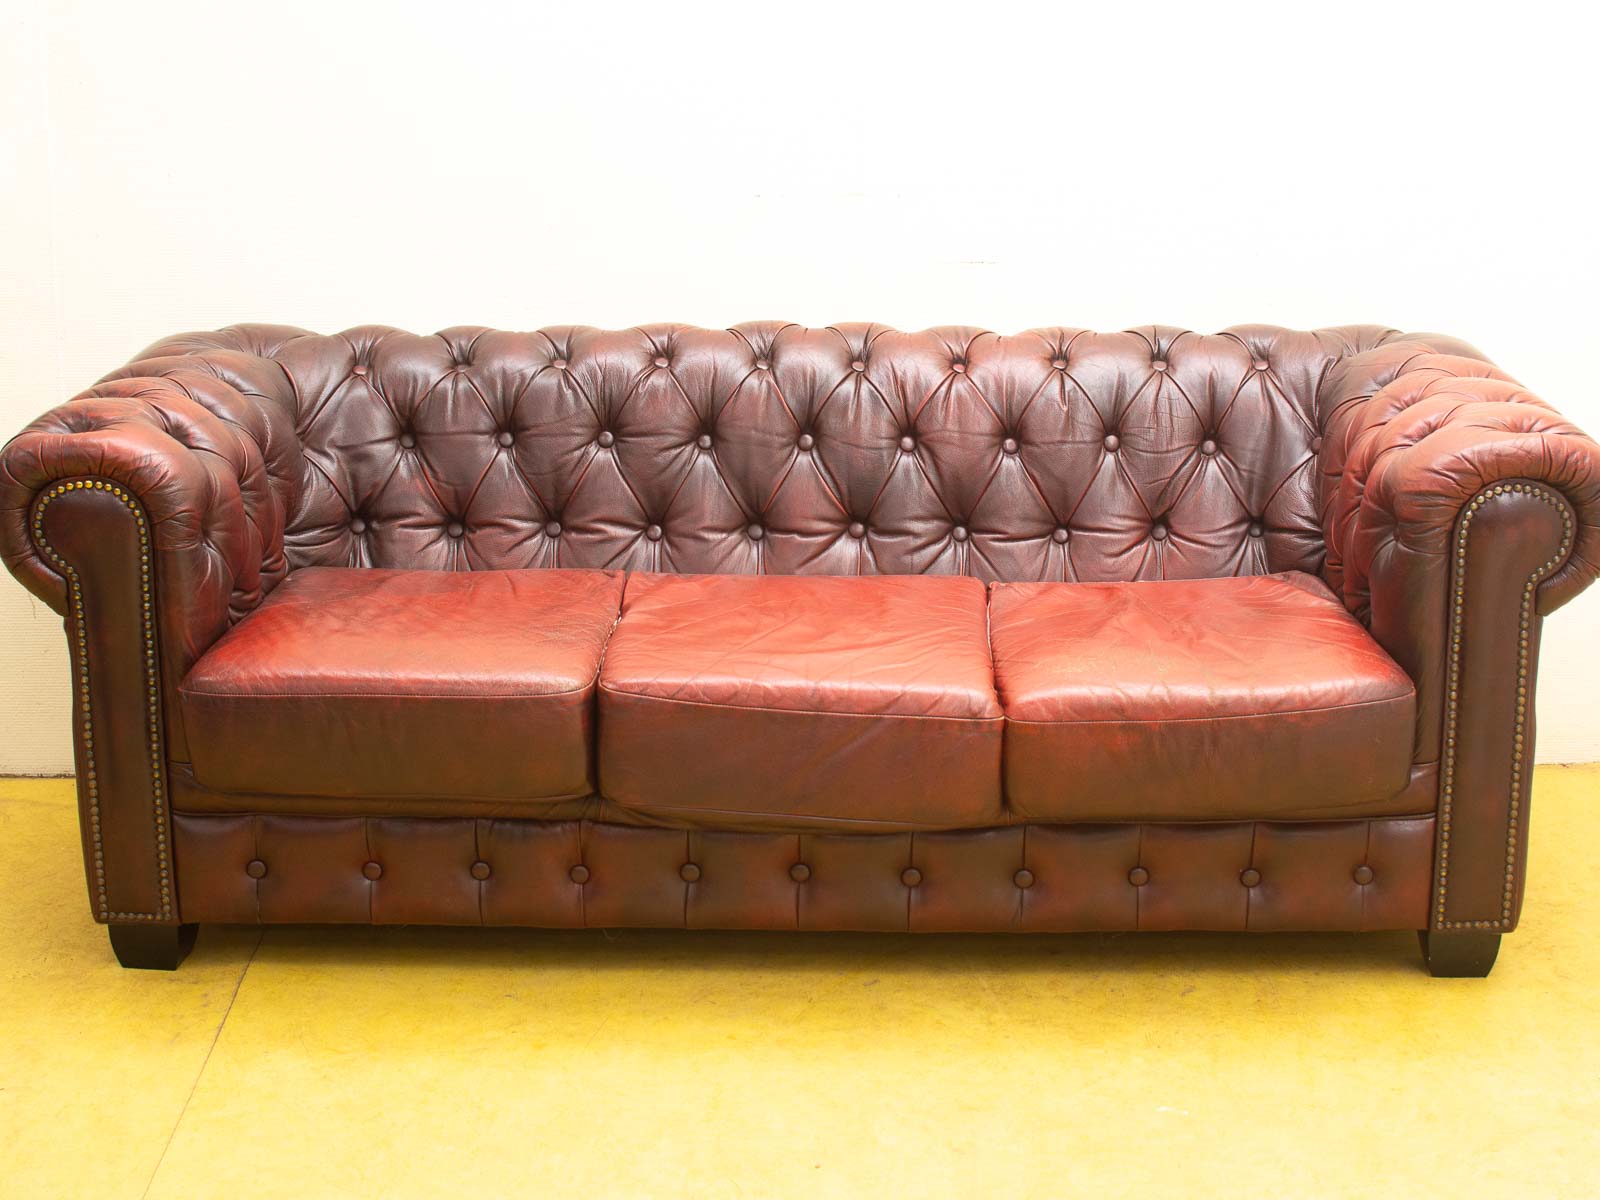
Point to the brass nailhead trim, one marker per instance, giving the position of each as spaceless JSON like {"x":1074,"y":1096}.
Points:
{"x":80,"y":653}
{"x":1452,"y":696}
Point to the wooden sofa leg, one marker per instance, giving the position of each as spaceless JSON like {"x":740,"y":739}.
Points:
{"x":1466,"y":955}
{"x":152,"y":947}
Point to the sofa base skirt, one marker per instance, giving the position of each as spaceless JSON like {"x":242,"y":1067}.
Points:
{"x":1334,"y":875}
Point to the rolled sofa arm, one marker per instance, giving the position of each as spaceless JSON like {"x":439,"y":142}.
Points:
{"x":1457,"y":510}
{"x":144,"y":512}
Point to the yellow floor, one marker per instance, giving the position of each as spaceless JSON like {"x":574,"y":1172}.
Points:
{"x":414,"y":1062}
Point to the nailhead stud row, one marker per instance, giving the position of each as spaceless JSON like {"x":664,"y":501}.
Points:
{"x":80,"y":654}
{"x":1453,"y":689}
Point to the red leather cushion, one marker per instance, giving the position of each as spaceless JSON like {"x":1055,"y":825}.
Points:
{"x":406,"y":683}
{"x":802,"y":702}
{"x":1195,"y":700}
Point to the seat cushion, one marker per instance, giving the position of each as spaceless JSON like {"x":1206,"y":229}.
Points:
{"x":362,"y":682}
{"x":1197,"y":700}
{"x":764,"y":701}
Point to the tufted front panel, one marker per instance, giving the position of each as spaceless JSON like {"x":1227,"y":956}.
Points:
{"x":1056,"y":454}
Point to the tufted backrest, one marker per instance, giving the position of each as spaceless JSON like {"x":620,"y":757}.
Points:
{"x":1052,"y":454}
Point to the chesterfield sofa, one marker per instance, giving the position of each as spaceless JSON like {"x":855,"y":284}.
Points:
{"x":788,"y":628}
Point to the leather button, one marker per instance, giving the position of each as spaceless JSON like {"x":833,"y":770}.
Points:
{"x":959,"y":533}
{"x":762,"y":364}
{"x":1362,"y":875}
{"x":756,"y":533}
{"x":1059,"y":536}
{"x":1256,"y":529}
{"x":1023,"y":879}
{"x":579,"y":874}
{"x":480,"y":870}
{"x":1112,"y":441}
{"x":908,"y":443}
{"x":1159,"y":532}
{"x":255,"y":868}
{"x":1260,"y":364}
{"x":357,"y":525}
{"x":1138,"y":877}
{"x":359,"y":370}
{"x":653,"y":533}
{"x":858,"y":365}
{"x":960,"y":368}
{"x":1250,"y":877}
{"x":1009,"y":445}
{"x":552,"y":529}
{"x":559,"y":364}
{"x":1059,"y":364}
{"x":408,"y":440}
{"x":800,"y":872}
{"x":689,"y":872}
{"x":505,"y":437}
{"x":1159,"y":365}
{"x":455,"y":529}
{"x":372,"y":871}
{"x":703,"y":441}
{"x":911,"y":877}
{"x":606,"y":438}
{"x":857,"y":529}
{"x":1208,"y":447}
{"x":1316,"y":445}
{"x":807,"y":441}
{"x":661,"y":362}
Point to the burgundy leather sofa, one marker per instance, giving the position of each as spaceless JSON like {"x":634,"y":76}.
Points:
{"x":787,"y":628}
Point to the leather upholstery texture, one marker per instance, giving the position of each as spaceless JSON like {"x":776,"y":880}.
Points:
{"x":1260,"y":693}
{"x":801,"y":702}
{"x":406,"y":683}
{"x":186,"y":515}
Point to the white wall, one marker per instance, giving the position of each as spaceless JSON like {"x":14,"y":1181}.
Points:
{"x":181,"y":166}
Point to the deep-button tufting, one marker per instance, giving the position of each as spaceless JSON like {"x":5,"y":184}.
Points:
{"x":911,"y":877}
{"x":1138,"y":877}
{"x":807,"y":441}
{"x":959,"y":533}
{"x":408,"y":440}
{"x":799,"y":872}
{"x":959,"y":368}
{"x":653,"y":532}
{"x":559,"y":364}
{"x":552,"y":529}
{"x":358,"y":525}
{"x":756,"y":533}
{"x":1009,"y":445}
{"x":1059,"y":364}
{"x":660,"y":361}
{"x":360,"y":369}
{"x":908,"y":443}
{"x":579,"y":874}
{"x":1260,"y":364}
{"x":1250,"y":877}
{"x":1059,"y":535}
{"x":455,"y":529}
{"x":1208,"y":447}
{"x":1112,"y":441}
{"x":1159,"y":531}
{"x":689,"y":872}
{"x":505,"y":437}
{"x":373,"y":871}
{"x":1159,"y":365}
{"x":1257,"y":529}
{"x":480,"y":870}
{"x":762,"y":364}
{"x":256,"y":869}
{"x":857,"y":529}
{"x":703,"y":441}
{"x":858,"y":365}
{"x":1362,"y":875}
{"x":606,"y":439}
{"x":1023,"y":879}
{"x":1316,"y":445}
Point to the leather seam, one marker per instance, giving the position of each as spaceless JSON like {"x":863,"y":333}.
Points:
{"x":800,"y":712}
{"x":1287,"y":712}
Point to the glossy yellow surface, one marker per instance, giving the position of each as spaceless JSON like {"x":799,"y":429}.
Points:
{"x":413,"y":1062}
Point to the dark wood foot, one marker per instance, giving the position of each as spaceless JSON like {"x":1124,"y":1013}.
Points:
{"x":1466,"y":955}
{"x":152,"y":947}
